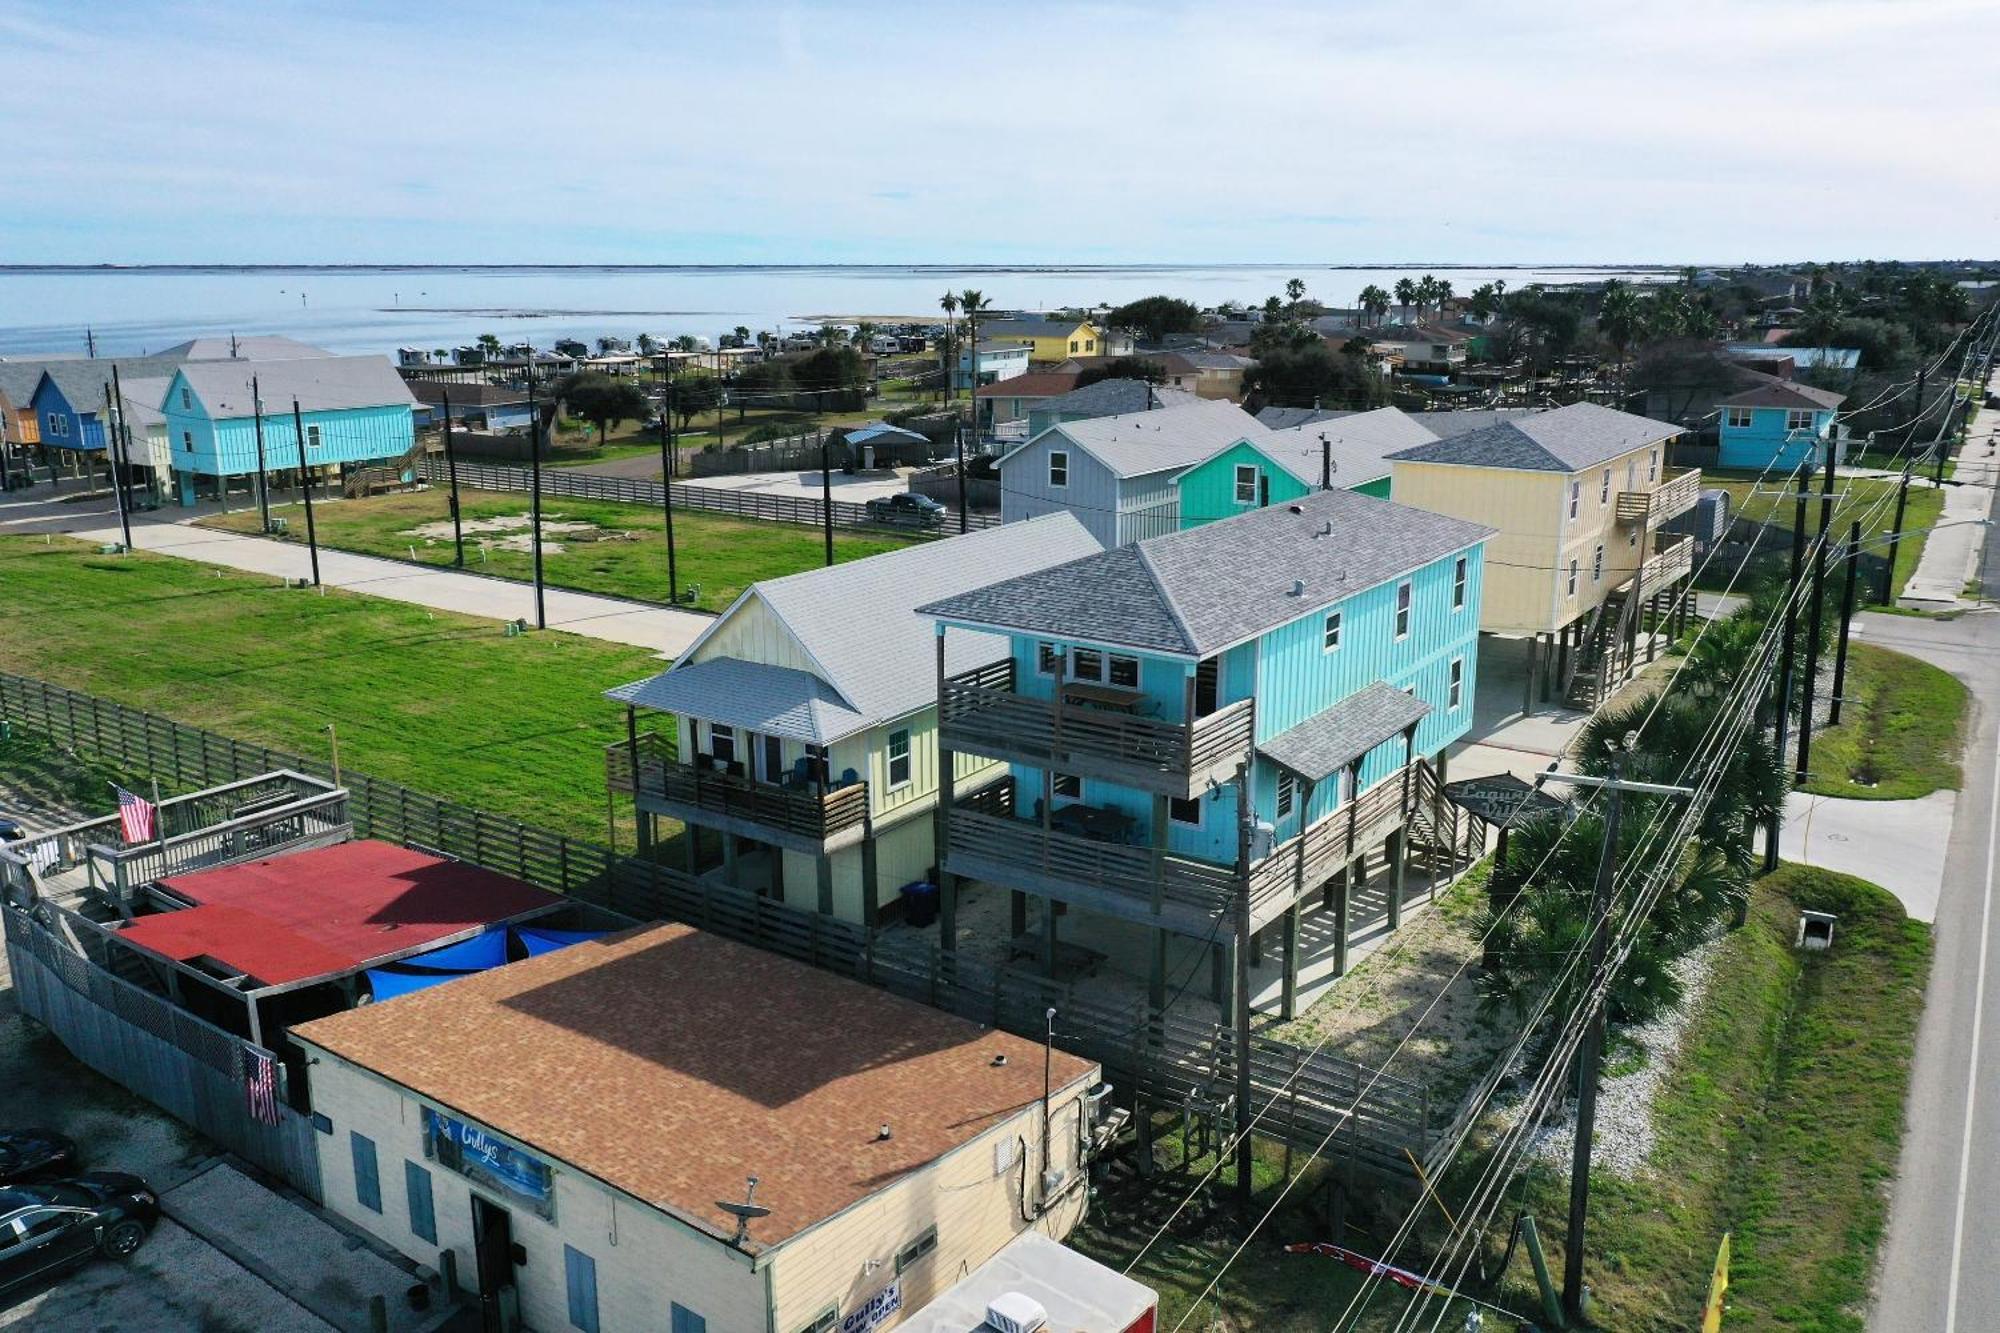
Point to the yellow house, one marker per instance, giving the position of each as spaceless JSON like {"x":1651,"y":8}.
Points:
{"x":1051,"y":338}
{"x":805,"y":721}
{"x":1579,"y":565}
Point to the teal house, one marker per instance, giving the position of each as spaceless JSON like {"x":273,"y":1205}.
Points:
{"x":1345,"y":452}
{"x":1248,"y":707}
{"x":1777,"y":426}
{"x":355,"y":410}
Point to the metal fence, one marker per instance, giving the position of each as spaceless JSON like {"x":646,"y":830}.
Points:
{"x":632,"y":490}
{"x":1164,"y":1057}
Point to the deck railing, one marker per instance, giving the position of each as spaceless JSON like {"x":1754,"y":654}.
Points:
{"x":800,"y":812}
{"x":980,"y":713}
{"x":1328,"y":845}
{"x":1139,"y":874}
{"x":1672,"y":560}
{"x":1672,"y":498}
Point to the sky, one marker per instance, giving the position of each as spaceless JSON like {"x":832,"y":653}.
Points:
{"x":1705,"y":131}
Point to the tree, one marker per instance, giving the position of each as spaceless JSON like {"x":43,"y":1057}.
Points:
{"x":972,"y":301}
{"x":489,"y":344}
{"x":1124,"y":368}
{"x":1406,"y":293}
{"x":742,"y":335}
{"x":695,"y":394}
{"x":864,"y":333}
{"x":1374,"y":303}
{"x":685,"y":343}
{"x":834,"y":375}
{"x":1274,"y":310}
{"x":1154,"y":317}
{"x":1485,"y":301}
{"x":1295,"y":291}
{"x":949,"y":303}
{"x":648,"y":344}
{"x":1822,"y":317}
{"x":1619,"y":319}
{"x":602,"y":400}
{"x":1302,"y":374}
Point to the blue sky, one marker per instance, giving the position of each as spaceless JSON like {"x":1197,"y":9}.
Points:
{"x":1702,"y":130}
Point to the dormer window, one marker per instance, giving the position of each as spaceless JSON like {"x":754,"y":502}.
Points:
{"x":187,"y":399}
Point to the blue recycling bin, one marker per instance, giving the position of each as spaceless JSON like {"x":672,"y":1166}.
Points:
{"x":920,"y":902}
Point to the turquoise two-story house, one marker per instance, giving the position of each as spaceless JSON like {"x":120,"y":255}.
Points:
{"x":353,"y":410}
{"x":1349,"y":452}
{"x":1238,"y":708}
{"x":1778,"y":426}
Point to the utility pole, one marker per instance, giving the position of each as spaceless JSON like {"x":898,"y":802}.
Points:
{"x":263,"y":492}
{"x":958,"y":441}
{"x":535,"y":490}
{"x":1325,"y":462}
{"x":1815,"y":616}
{"x":1590,"y":1054}
{"x":306,"y":490}
{"x":1241,"y":956}
{"x":451,"y":471}
{"x":1846,"y":615}
{"x":1790,"y":633}
{"x":1895,"y":537}
{"x":825,"y":493}
{"x":124,"y":444}
{"x":667,"y":492}
{"x":111,"y":456}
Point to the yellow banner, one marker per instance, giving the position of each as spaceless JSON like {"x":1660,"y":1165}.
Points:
{"x":1711,"y":1315}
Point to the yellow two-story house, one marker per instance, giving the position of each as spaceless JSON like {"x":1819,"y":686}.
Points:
{"x":803,"y":748}
{"x":1579,"y":566}
{"x":1050,"y":338}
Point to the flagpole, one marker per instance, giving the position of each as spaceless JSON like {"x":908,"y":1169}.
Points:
{"x":160,"y":825}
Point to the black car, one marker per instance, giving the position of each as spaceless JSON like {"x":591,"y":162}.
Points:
{"x":11,"y":830}
{"x":54,"y":1225}
{"x":28,"y":1153}
{"x":907,"y":508}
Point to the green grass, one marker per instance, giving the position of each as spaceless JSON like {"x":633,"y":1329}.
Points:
{"x":1864,"y":500}
{"x":1779,"y":1122}
{"x":443,"y":703}
{"x":1902,"y":726}
{"x":721,"y":554}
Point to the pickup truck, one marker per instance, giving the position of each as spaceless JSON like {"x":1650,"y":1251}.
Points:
{"x":907,"y":510}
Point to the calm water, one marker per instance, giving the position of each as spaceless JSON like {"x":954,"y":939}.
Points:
{"x":379,"y":310}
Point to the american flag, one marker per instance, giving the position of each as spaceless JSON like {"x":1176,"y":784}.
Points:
{"x":135,"y":816}
{"x":260,"y":1085}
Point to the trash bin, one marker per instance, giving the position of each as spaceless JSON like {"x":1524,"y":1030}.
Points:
{"x":920,"y":902}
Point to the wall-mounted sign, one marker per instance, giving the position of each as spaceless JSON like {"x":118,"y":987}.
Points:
{"x":484,"y":1160}
{"x":876,"y":1311}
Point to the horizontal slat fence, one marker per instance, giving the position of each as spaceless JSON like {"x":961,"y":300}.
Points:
{"x":1167,"y":1058}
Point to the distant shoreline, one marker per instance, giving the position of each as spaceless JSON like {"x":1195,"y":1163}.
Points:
{"x":1317,"y":267}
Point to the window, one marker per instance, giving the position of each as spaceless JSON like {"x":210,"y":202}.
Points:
{"x":1086,"y":664}
{"x":1066,"y":786}
{"x":827,"y":1321}
{"x":1072,"y":344}
{"x":1604,"y":488}
{"x":1090,"y":344}
{"x":423,"y":1216}
{"x":683,"y":1320}
{"x":367,"y":1183}
{"x":1597,"y":564}
{"x":1738,"y":418}
{"x":580,"y":1276}
{"x":187,"y":399}
{"x":1403,"y":610}
{"x":1048,"y":659}
{"x":1058,"y":467}
{"x":1799,"y":419}
{"x":42,"y":1221}
{"x":722,"y":743}
{"x":312,"y":437}
{"x":1455,"y":695}
{"x":1330,"y":636}
{"x":1653,"y":466}
{"x":899,"y":759}
{"x":1125,"y":671}
{"x":1460,"y":572}
{"x":1246,"y":483}
{"x":1288,"y":795}
{"x":916,"y":1249}
{"x":1572,"y":579}
{"x":1575,"y":497}
{"x":1187,"y":811}
{"x":187,"y":440}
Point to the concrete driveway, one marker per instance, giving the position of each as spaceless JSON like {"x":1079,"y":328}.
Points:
{"x":1897,"y":844}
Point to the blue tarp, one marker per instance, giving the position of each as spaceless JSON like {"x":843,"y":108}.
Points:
{"x":538,"y":940}
{"x":386,"y":983}
{"x":478,"y":954}
{"x":473,"y":955}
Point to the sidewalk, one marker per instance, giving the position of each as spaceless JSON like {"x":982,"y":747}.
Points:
{"x":1951,"y":555}
{"x":664,"y":630}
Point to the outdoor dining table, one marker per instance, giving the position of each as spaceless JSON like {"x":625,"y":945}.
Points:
{"x":1105,"y":696}
{"x":1093,"y":821}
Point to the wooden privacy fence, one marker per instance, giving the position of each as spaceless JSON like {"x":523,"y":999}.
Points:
{"x":1164,"y":1057}
{"x":633,"y":490}
{"x":181,"y":1063}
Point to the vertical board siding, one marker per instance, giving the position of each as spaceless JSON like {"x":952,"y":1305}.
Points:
{"x":1092,"y":492}
{"x":228,"y":447}
{"x":1208,"y":492}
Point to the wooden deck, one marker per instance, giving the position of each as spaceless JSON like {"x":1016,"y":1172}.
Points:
{"x":802,"y":819}
{"x":1674,"y":497}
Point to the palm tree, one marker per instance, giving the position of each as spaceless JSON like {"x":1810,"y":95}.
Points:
{"x":972,"y":301}
{"x":1444,"y":293}
{"x":647,"y":344}
{"x":949,"y":303}
{"x":1485,"y":300}
{"x":1619,"y":319}
{"x":1406,"y":293}
{"x":1374,"y":302}
{"x":863,"y":331}
{"x":1295,"y":291}
{"x":1427,"y":294}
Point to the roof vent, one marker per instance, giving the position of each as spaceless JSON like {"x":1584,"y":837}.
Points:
{"x":1298,"y":587}
{"x":1325,"y":529}
{"x":1296,"y":509}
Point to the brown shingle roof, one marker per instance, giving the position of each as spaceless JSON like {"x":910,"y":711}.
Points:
{"x":1034,"y":384}
{"x":1785,"y":393}
{"x":671,"y":1064}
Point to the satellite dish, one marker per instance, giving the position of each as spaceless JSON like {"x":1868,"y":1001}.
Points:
{"x":744,"y":1212}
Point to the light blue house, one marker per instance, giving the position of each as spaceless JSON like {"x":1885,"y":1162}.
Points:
{"x":1238,"y":708}
{"x":1778,"y":426}
{"x":354,"y":410}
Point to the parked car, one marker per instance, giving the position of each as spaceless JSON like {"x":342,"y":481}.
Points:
{"x":55,"y":1225}
{"x":907,"y":509}
{"x":11,"y":830}
{"x":26,"y":1154}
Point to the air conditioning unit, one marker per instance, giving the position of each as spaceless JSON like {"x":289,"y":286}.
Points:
{"x":1016,"y":1312}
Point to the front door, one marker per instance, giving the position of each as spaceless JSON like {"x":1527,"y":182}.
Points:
{"x":493,"y":1253}
{"x":771,"y":757}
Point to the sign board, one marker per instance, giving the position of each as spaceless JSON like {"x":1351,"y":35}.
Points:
{"x":1502,"y":800}
{"x":1718,"y":1283}
{"x":876,"y":1311}
{"x":484,"y":1160}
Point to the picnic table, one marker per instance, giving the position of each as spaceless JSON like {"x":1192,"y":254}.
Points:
{"x":1104,"y":823}
{"x":1104,"y":696}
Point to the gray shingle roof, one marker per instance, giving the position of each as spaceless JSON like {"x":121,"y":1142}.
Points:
{"x":1360,"y":443}
{"x":1785,"y":393}
{"x":252,"y":347}
{"x":1196,"y":592}
{"x":1133,"y":444}
{"x":1029,"y":326}
{"x":858,"y":624}
{"x":1284,"y":418}
{"x":1337,"y":736}
{"x":1108,"y":398}
{"x":322,"y":383}
{"x":1445,"y":425}
{"x":82,"y":382}
{"x":1566,"y":439}
{"x":780,"y":701}
{"x":142,"y":400}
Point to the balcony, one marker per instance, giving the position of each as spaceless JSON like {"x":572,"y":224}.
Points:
{"x":1672,"y":498}
{"x":1326,"y":847}
{"x":802,"y":818}
{"x":980,"y":713}
{"x":1671,"y":561}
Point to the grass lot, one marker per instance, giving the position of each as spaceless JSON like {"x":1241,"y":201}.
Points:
{"x":1861,"y":502}
{"x":720,"y":553}
{"x":1901,"y":730}
{"x":443,"y":703}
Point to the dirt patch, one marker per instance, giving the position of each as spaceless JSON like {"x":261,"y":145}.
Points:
{"x":513,"y":532}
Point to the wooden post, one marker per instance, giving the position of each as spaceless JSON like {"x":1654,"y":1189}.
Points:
{"x":632,"y":753}
{"x":823,"y":874}
{"x":1342,"y":894}
{"x":947,"y":789}
{"x":871,"y":876}
{"x":1049,"y":937}
{"x":1289,"y":1002}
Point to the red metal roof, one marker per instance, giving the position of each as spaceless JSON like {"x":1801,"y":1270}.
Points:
{"x":332,"y":910}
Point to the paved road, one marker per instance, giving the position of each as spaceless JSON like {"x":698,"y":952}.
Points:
{"x":1941,"y":1263}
